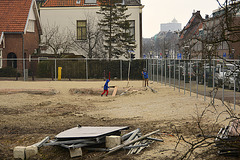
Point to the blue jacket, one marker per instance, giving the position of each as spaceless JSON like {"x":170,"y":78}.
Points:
{"x":106,"y":85}
{"x":145,"y":75}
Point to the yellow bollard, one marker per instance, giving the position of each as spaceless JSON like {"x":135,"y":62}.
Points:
{"x":59,"y":73}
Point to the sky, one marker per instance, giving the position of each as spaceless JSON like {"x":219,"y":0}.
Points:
{"x":156,"y":12}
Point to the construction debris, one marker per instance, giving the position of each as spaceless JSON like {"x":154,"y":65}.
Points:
{"x":115,"y":91}
{"x":228,"y":138}
{"x":125,"y":91}
{"x":29,"y":91}
{"x":154,"y":91}
{"x":128,"y":142}
{"x":95,"y":138}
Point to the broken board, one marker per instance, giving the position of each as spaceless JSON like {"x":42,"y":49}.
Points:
{"x":115,"y":91}
{"x":88,"y":132}
{"x":152,"y":89}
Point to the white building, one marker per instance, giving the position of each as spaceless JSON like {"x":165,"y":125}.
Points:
{"x":173,"y":26}
{"x":72,"y":15}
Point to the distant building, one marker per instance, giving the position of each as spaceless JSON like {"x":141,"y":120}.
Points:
{"x":187,"y":41}
{"x":172,"y":26}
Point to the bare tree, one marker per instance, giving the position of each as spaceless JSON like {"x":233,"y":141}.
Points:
{"x":93,"y":44}
{"x":166,"y":43}
{"x":57,"y":40}
{"x":147,"y":46}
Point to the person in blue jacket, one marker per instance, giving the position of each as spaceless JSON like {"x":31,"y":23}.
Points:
{"x":145,"y":76}
{"x":106,"y":88}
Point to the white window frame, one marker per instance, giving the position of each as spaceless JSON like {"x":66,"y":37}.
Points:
{"x":90,"y":2}
{"x":132,"y":28}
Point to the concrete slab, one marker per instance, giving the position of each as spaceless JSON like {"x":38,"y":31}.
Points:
{"x":19,"y":152}
{"x":112,"y":141}
{"x":88,"y":132}
{"x":75,"y":152}
{"x":31,"y":151}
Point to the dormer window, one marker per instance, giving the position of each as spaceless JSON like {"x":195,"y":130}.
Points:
{"x":78,"y":1}
{"x":90,"y":1}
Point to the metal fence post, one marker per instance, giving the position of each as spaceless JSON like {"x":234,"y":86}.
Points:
{"x":169,"y":73}
{"x":204,"y":68}
{"x":165,"y":72}
{"x":146,"y":64}
{"x":157,"y":70}
{"x":179,"y":75}
{"x":184,"y":79}
{"x":162,"y":71}
{"x":174,"y":74}
{"x":121,"y":70}
{"x":234,"y":76}
{"x":86,"y":69}
{"x":213,"y":80}
{"x":223,"y":83}
{"x":55,"y":69}
{"x":197,"y":69}
{"x":153,"y":66}
{"x":190,"y":77}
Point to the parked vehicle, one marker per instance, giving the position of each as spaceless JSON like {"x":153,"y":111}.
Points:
{"x":220,"y":72}
{"x":208,"y":72}
{"x":230,"y":78}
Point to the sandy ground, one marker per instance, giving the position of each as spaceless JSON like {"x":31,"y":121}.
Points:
{"x":31,"y":111}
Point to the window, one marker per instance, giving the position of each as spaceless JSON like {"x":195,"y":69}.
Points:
{"x":31,"y":26}
{"x":90,"y":1}
{"x":82,"y":30}
{"x":78,"y":1}
{"x":132,"y":28}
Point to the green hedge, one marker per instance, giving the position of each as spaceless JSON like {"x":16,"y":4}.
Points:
{"x":96,"y":69}
{"x":9,"y":72}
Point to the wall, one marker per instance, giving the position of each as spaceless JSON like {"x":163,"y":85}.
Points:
{"x":14,"y":43}
{"x":66,"y":18}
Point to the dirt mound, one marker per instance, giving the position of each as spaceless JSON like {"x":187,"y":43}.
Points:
{"x":92,"y":91}
{"x":29,"y":91}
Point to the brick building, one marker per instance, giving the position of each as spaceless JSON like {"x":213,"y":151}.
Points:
{"x":20,"y":31}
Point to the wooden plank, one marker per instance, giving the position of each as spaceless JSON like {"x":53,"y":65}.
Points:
{"x":134,"y":149}
{"x":154,"y":91}
{"x":128,"y":143}
{"x":115,"y":91}
{"x":126,"y":136}
{"x":132,"y":136}
{"x":141,"y":148}
{"x":155,"y":139}
{"x":41,"y":143}
{"x":125,"y":91}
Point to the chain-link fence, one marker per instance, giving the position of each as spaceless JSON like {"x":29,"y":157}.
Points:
{"x":203,"y":77}
{"x":214,"y":78}
{"x":70,"y":69}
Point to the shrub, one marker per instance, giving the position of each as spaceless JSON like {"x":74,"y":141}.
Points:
{"x":9,"y":72}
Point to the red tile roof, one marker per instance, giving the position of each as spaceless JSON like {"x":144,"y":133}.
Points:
{"x":192,"y":26}
{"x":73,"y":3}
{"x":13,"y":15}
{"x":66,"y":3}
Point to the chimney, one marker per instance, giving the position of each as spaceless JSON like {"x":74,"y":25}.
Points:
{"x":206,"y":16}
